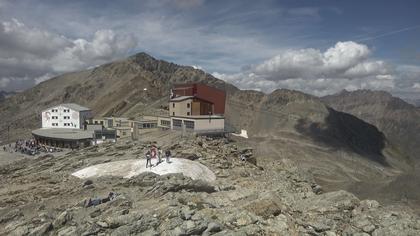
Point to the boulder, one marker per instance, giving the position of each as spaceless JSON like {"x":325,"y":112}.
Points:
{"x":62,"y":219}
{"x":117,"y":221}
{"x":41,"y":230}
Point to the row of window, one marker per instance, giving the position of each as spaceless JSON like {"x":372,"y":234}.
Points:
{"x":56,"y":110}
{"x":173,"y":105}
{"x":65,"y":124}
{"x":165,"y":122}
{"x":188,"y":124}
{"x":65,"y":117}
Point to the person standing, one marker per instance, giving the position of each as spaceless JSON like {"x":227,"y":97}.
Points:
{"x":160,"y":155}
{"x":167,"y":155}
{"x":148,"y":159}
{"x":153,"y":151}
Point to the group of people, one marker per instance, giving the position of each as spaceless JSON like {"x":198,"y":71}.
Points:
{"x":156,"y":153}
{"x":29,"y":146}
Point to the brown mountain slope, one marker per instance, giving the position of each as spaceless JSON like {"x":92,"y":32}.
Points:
{"x":398,"y":120}
{"x":340,"y":149}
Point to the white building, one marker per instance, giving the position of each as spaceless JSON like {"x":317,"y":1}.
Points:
{"x":70,"y":115}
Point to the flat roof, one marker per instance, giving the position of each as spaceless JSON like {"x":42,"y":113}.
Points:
{"x":72,"y":106}
{"x":181,"y":98}
{"x":63,"y":133}
{"x":75,"y":107}
{"x":198,"y":117}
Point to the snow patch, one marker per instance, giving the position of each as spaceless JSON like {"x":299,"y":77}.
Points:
{"x":133,"y":167}
{"x":243,"y":134}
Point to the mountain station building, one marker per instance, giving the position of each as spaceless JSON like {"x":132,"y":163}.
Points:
{"x":64,"y":126}
{"x":196,"y":107}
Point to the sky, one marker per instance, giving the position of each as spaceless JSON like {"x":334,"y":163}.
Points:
{"x":315,"y":46}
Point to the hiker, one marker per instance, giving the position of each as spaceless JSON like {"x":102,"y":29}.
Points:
{"x":148,"y":159}
{"x":96,"y":201}
{"x":167,"y":155}
{"x":4,"y":148}
{"x":153,"y":151}
{"x":160,"y":155}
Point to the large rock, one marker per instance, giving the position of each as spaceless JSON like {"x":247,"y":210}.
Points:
{"x":332,"y":201}
{"x":62,"y":219}
{"x":117,"y":221}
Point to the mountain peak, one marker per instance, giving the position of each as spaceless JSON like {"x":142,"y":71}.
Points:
{"x":142,"y":56}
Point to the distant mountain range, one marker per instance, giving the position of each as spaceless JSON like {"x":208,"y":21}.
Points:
{"x":5,"y":94}
{"x":415,"y":102}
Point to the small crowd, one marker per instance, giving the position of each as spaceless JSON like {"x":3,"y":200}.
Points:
{"x":156,"y":153}
{"x":29,"y":147}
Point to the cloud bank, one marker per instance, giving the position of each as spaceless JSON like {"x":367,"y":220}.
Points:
{"x":346,"y":65}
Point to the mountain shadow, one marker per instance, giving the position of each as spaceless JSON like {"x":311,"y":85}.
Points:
{"x":344,"y":131}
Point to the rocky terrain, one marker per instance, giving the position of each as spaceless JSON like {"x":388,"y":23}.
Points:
{"x":358,"y":142}
{"x":341,"y":150}
{"x":255,"y":197}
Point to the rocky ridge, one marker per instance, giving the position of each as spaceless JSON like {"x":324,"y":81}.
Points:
{"x":248,"y":198}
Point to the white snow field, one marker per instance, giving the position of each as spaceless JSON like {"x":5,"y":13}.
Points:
{"x":133,"y":167}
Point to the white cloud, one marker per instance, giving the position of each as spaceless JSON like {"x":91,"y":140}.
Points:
{"x":4,"y":82}
{"x":43,"y":78}
{"x":31,"y":54}
{"x":346,"y":65}
{"x":344,"y":60}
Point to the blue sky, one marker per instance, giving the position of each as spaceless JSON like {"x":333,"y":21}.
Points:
{"x":319,"y":47}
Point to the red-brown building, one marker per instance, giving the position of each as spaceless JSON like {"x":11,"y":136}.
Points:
{"x":207,"y":100}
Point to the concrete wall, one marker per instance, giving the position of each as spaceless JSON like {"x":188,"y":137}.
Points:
{"x":63,"y":117}
{"x":209,"y":124}
{"x":214,"y":124}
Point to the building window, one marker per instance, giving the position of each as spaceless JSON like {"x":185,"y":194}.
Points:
{"x":189,"y":124}
{"x":54,"y":117}
{"x":173,"y":113}
{"x":188,"y":113}
{"x":188,"y":105}
{"x":54,"y":124}
{"x":177,"y":123}
{"x":173,"y":105}
{"x":66,"y":110}
{"x":165,"y":123}
{"x":67,"y":117}
{"x":54,"y":110}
